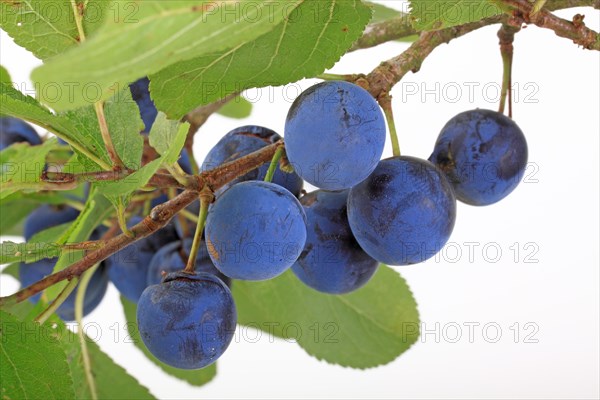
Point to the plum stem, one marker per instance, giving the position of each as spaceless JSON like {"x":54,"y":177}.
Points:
{"x":273,"y":166}
{"x":57,"y":302}
{"x":506,"y":34}
{"x":79,"y":303}
{"x":386,"y":104}
{"x":122,"y":221}
{"x":206,"y":198}
{"x":178,"y":173}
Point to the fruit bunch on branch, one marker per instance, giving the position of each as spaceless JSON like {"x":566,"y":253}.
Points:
{"x":116,"y":194}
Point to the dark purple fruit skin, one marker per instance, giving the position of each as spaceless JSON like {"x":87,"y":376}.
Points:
{"x":404,"y":212}
{"x":128,"y":268}
{"x":335,"y":134}
{"x":243,"y":141}
{"x":15,"y":130}
{"x":140,"y":92}
{"x":47,"y":216}
{"x":173,"y":257}
{"x":188,"y":320}
{"x":484,"y":154}
{"x":96,"y":289}
{"x":332,"y":260}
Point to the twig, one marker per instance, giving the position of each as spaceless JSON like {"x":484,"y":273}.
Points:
{"x":506,"y":34}
{"x":158,"y":218}
{"x":574,"y":30}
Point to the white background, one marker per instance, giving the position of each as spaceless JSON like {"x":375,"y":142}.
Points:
{"x":555,"y":212}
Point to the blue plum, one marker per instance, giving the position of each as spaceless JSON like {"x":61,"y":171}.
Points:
{"x":332,"y":261}
{"x":243,"y":141}
{"x":255,"y":231}
{"x":141,"y":94}
{"x":173,"y":257}
{"x":404,"y":212}
{"x":31,"y":273}
{"x":128,"y":268}
{"x":484,"y":155}
{"x":47,"y":216}
{"x":188,"y":320}
{"x":15,"y":130}
{"x":334,"y":135}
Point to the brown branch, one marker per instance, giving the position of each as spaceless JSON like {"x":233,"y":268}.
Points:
{"x":381,"y":80}
{"x":574,"y":30}
{"x":158,"y":218}
{"x":400,"y":27}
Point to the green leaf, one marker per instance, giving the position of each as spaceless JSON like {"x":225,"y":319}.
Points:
{"x":14,"y":212}
{"x":33,"y":364}
{"x":44,"y":244}
{"x":193,"y":377}
{"x":154,"y":35}
{"x":12,"y":270}
{"x":4,"y":75}
{"x":124,"y":125}
{"x":364,"y":329}
{"x":47,"y":27}
{"x":17,"y":206}
{"x":237,"y":108}
{"x":11,"y":252}
{"x":168,"y":137}
{"x":16,"y":104}
{"x":21,"y":167}
{"x":312,"y":40}
{"x":428,"y":15}
{"x":112,"y":381}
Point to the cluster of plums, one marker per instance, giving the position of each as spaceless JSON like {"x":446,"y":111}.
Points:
{"x":366,"y":211}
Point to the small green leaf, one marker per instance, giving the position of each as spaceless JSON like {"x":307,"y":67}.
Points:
{"x":4,"y":75}
{"x":11,"y":252}
{"x":124,"y":125}
{"x":304,"y":45}
{"x":16,"y":104}
{"x":21,"y":167}
{"x":193,"y":377}
{"x":19,"y":205}
{"x":12,"y":270}
{"x":364,"y":329}
{"x":429,"y":15}
{"x":237,"y":108}
{"x":47,"y":27}
{"x":44,"y":244}
{"x":33,"y":363}
{"x":131,"y":183}
{"x":150,"y":37}
{"x":14,"y":212}
{"x":168,"y":137}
